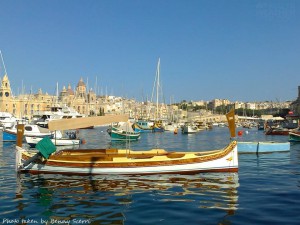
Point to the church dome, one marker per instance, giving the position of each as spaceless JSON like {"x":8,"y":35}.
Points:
{"x":81,"y":83}
{"x":70,"y":91}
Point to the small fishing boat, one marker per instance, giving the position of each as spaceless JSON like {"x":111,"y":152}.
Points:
{"x":32,"y":141}
{"x":189,"y":128}
{"x":294,"y":136}
{"x":119,"y":161}
{"x":158,"y":126}
{"x":123,"y":132}
{"x":147,"y":126}
{"x":70,"y":139}
{"x":276,"y":131}
{"x":263,"y":147}
{"x":142,"y":126}
{"x":10,"y":134}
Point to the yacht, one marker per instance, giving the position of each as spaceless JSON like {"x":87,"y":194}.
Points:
{"x":7,"y":120}
{"x":56,"y":112}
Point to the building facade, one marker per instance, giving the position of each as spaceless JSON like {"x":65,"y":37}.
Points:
{"x":26,"y":105}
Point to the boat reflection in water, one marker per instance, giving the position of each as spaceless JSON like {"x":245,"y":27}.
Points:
{"x":116,"y":199}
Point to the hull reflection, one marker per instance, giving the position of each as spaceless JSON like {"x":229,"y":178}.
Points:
{"x":112,"y":196}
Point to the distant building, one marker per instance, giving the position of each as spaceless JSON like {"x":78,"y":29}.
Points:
{"x":218,"y":102}
{"x":26,"y":105}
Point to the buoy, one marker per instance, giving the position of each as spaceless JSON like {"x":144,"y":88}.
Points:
{"x":83,"y":141}
{"x":246,"y":132}
{"x":175,"y":131}
{"x":240,"y":133}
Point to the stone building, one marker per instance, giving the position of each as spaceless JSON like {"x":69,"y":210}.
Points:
{"x":23,"y":105}
{"x":26,"y":105}
{"x":83,"y":101}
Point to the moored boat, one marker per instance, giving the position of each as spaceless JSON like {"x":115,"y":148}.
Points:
{"x":7,"y":120}
{"x":10,"y":134}
{"x":143,"y":126}
{"x":123,"y":132}
{"x":122,"y":161}
{"x":294,"y":136}
{"x":263,"y":147}
{"x":189,"y":128}
{"x":158,"y":126}
{"x":57,"y":139}
{"x":276,"y":131}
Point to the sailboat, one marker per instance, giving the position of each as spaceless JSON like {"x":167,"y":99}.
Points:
{"x":157,"y":126}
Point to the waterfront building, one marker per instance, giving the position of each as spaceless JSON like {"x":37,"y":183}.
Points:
{"x":83,"y":101}
{"x":24,"y":104}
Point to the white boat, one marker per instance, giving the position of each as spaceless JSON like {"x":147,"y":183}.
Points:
{"x":7,"y":120}
{"x":57,"y":139}
{"x":189,"y":128}
{"x":32,"y":141}
{"x":221,"y":124}
{"x":56,"y":112}
{"x":10,"y":134}
{"x":171,"y":127}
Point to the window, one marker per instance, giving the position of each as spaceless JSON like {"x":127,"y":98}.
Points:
{"x":28,"y":128}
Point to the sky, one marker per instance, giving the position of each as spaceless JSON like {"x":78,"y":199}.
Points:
{"x":228,"y":49}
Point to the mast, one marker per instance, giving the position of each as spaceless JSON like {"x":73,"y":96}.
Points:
{"x":56,"y":99}
{"x":157,"y":87}
{"x":3,"y":62}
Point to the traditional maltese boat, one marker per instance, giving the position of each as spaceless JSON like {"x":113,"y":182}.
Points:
{"x":123,"y":132}
{"x":120,"y":161}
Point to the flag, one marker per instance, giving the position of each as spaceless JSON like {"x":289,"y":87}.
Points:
{"x":231,"y":122}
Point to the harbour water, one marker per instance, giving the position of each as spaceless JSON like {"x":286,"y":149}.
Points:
{"x":266,"y":190}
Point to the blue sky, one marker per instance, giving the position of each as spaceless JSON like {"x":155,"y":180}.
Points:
{"x":236,"y":50}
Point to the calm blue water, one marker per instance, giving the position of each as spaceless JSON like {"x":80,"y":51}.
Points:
{"x":266,"y":190}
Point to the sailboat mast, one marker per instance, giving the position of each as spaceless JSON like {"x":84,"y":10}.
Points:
{"x":56,"y":94}
{"x":157,"y":86}
{"x":3,"y":62}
